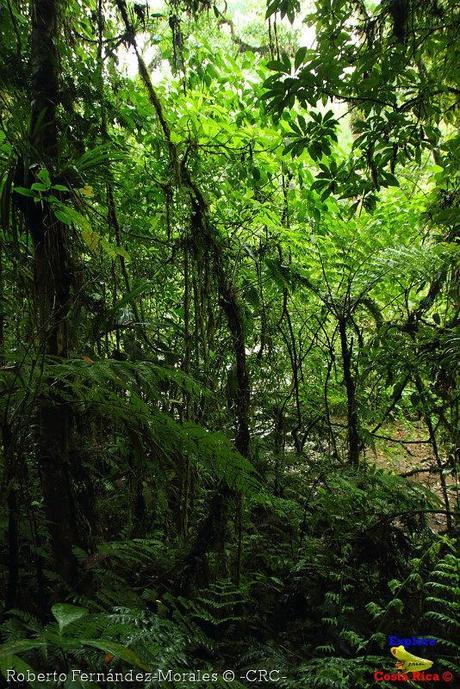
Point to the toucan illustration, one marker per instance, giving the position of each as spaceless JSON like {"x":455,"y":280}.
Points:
{"x":408,"y":662}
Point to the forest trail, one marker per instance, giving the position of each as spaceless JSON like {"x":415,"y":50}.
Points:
{"x":414,"y":461}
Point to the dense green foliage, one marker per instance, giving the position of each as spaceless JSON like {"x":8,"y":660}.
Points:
{"x":228,"y":337}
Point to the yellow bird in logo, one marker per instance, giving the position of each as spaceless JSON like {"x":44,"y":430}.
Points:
{"x":408,"y":662}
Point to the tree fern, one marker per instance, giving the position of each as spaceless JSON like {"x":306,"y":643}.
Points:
{"x":443,"y":613}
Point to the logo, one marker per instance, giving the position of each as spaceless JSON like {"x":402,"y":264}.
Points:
{"x":408,"y":662}
{"x":394,"y":640}
{"x":411,"y":667}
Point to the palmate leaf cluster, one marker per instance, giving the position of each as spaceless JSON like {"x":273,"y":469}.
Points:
{"x":370,"y":58}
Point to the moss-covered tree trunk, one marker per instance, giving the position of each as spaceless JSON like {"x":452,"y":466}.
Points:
{"x":52,"y":290}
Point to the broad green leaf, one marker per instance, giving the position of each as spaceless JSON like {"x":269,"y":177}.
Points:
{"x":13,"y":662}
{"x":90,"y":238}
{"x":44,"y":177}
{"x":63,"y":217}
{"x":65,"y":614}
{"x":23,"y":191}
{"x":112,"y":250}
{"x":14,"y":647}
{"x":117,"y":650}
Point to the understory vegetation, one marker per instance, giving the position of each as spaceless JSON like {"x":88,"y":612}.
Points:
{"x":229,"y":331}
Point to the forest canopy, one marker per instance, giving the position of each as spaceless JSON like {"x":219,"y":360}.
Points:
{"x":229,"y":334}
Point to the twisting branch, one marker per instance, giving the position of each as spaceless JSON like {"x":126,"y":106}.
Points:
{"x":212,"y":531}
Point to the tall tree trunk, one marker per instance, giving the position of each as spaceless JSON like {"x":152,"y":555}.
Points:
{"x":350,"y":387}
{"x":52,"y":285}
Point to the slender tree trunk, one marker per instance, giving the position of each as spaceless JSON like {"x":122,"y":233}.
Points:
{"x":279,"y":441}
{"x":434,"y":445}
{"x":9,"y":481}
{"x":291,"y":347}
{"x":8,"y":478}
{"x":350,"y":387}
{"x":10,"y":487}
